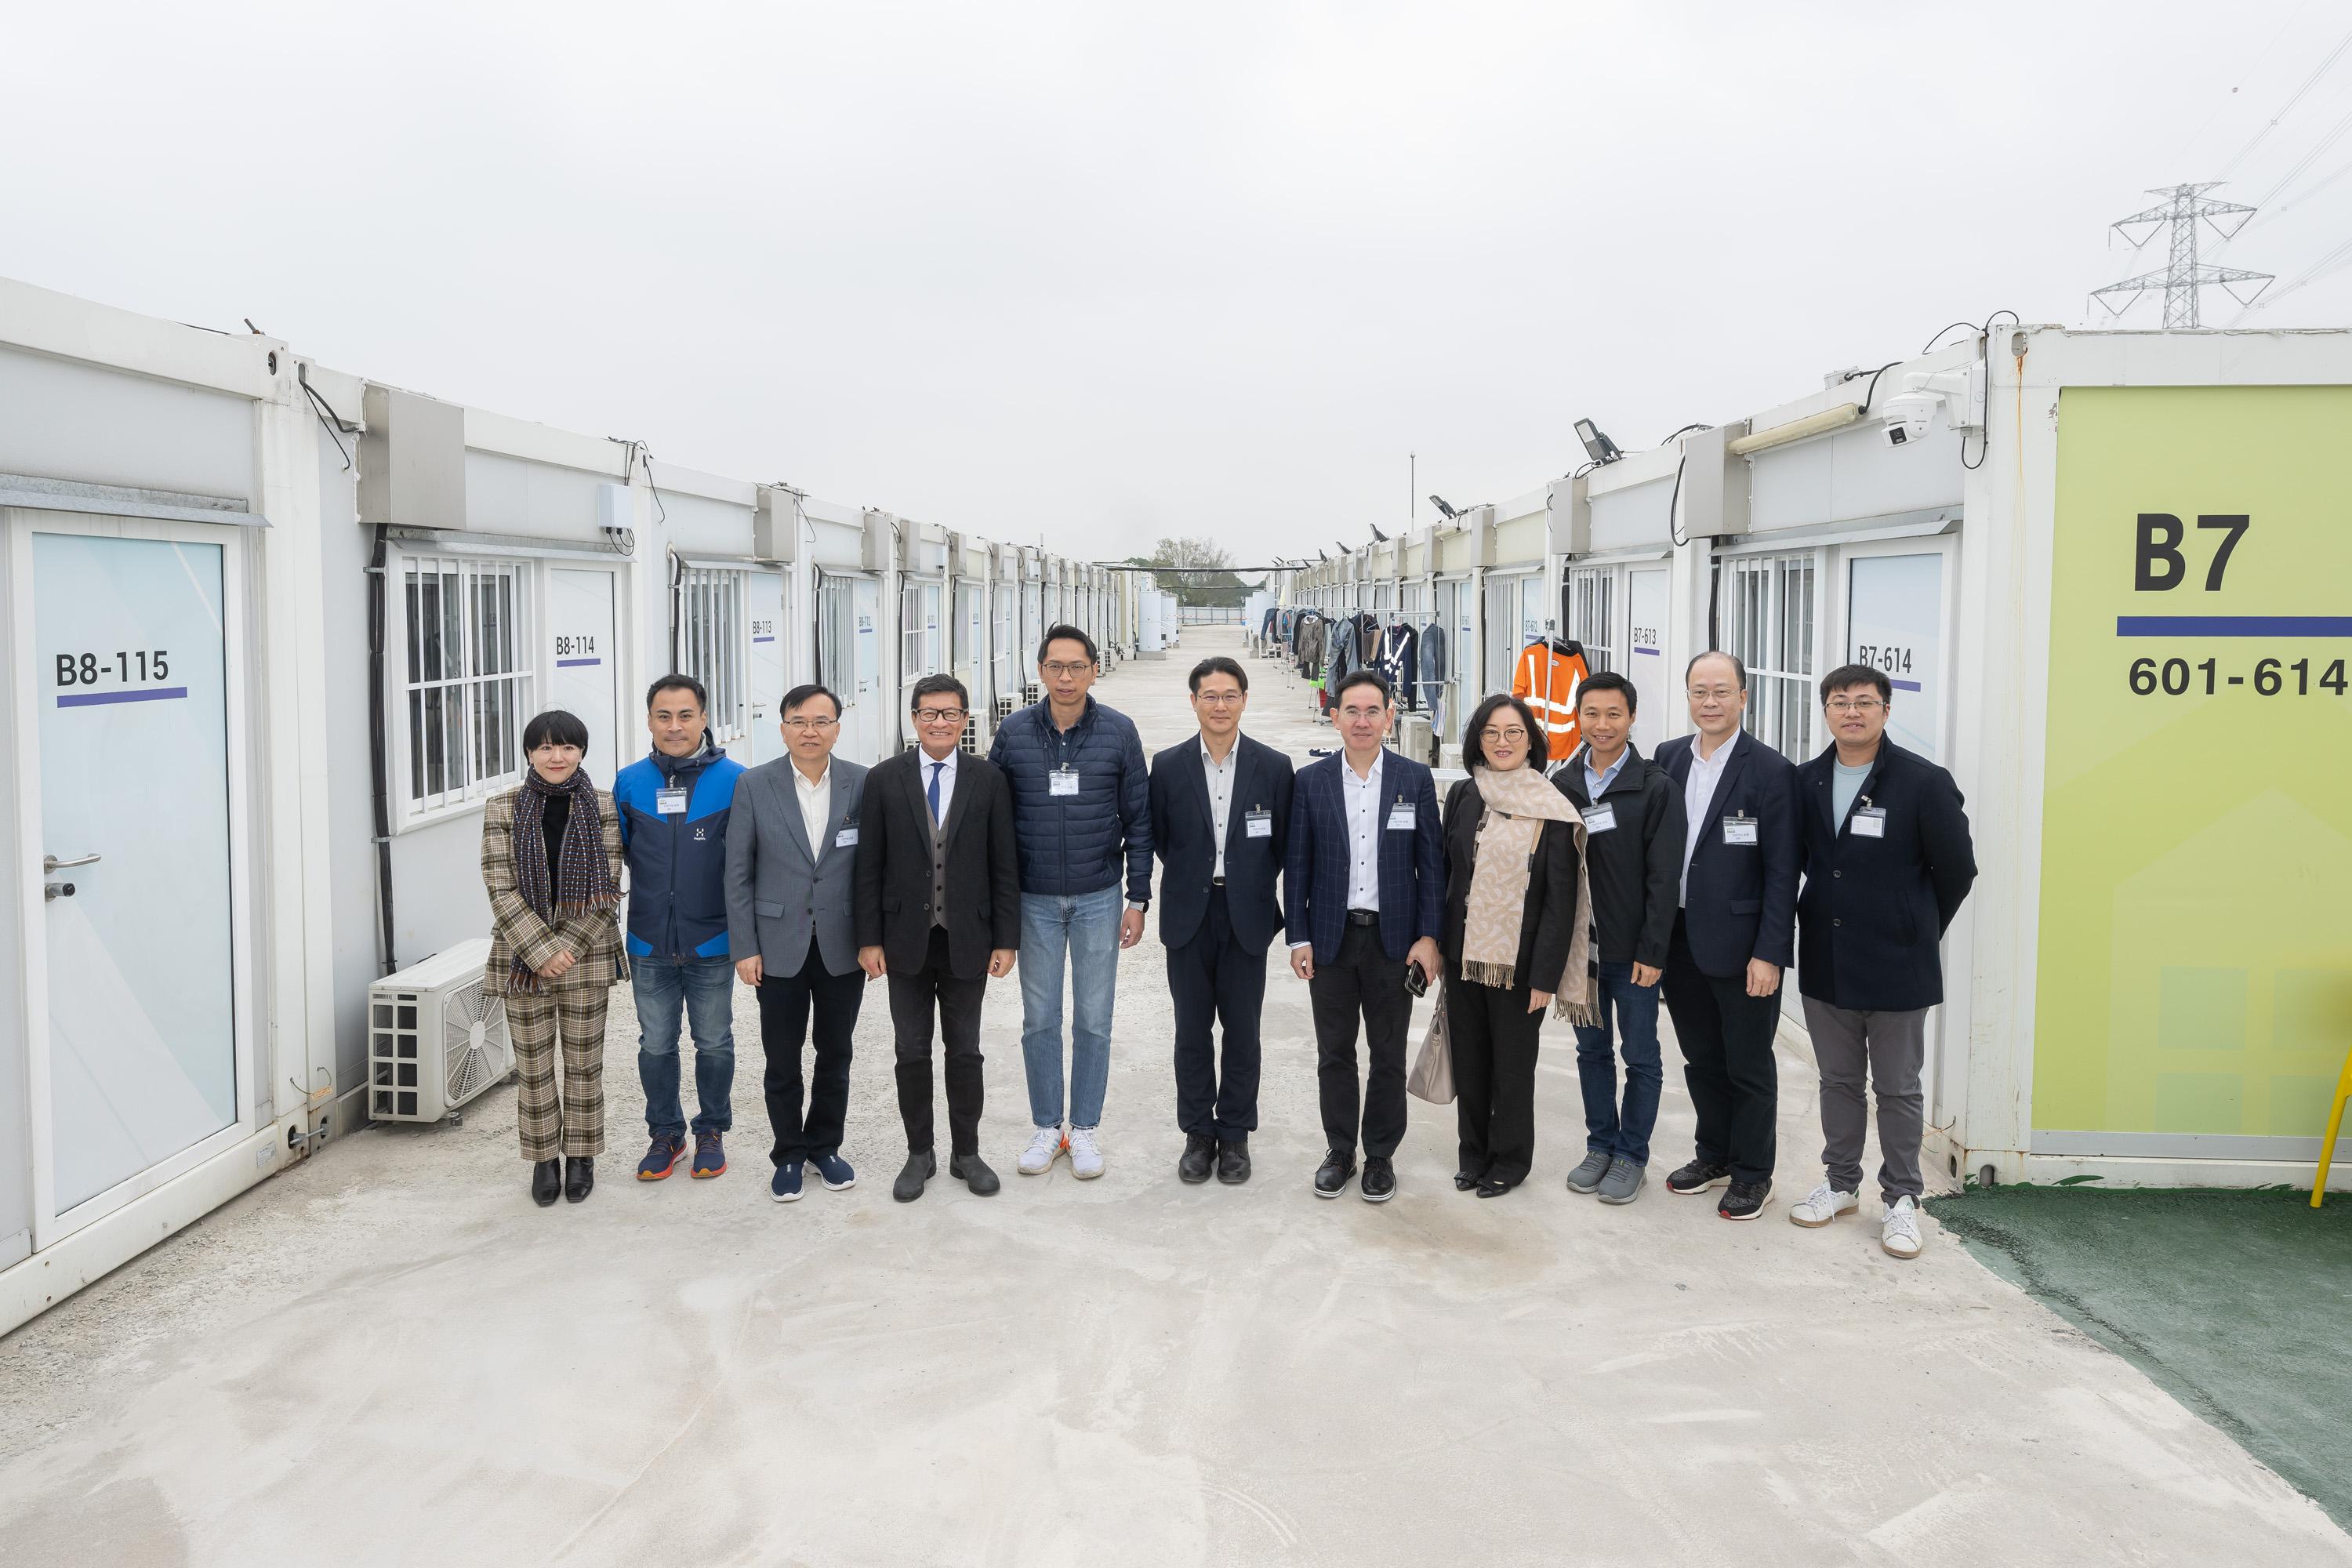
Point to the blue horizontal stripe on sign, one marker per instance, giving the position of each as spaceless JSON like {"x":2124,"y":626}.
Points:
{"x":2234,"y":626}
{"x":1651,"y":651}
{"x":1903,"y":685}
{"x":575,"y":663}
{"x":763,"y":639}
{"x":92,"y":699}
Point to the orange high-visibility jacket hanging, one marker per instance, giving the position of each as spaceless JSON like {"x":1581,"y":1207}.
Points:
{"x":1548,"y":675}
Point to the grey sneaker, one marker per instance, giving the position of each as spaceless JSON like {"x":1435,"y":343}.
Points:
{"x":1587,"y":1176}
{"x":1623,"y":1182}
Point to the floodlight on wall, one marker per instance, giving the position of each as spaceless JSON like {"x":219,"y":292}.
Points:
{"x":1597,"y":444}
{"x":1444,"y":508}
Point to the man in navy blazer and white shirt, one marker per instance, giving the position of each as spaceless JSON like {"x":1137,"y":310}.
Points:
{"x":1220,"y":821}
{"x":1733,"y":936}
{"x":1363,"y":889}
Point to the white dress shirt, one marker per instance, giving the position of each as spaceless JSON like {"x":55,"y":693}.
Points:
{"x":816,"y":805}
{"x":1362,"y":798}
{"x":1221,"y":794}
{"x":1698,"y":793}
{"x":946,"y":770}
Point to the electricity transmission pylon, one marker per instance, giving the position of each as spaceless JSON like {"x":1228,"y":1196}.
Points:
{"x":2184,"y":206}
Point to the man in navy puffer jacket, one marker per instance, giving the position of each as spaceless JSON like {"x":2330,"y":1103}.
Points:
{"x":1082,"y":812}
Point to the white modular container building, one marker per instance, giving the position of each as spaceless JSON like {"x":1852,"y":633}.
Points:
{"x":271,"y":632}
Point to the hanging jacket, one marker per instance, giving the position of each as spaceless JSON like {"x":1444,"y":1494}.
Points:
{"x":1398,"y":659}
{"x":1549,"y":674}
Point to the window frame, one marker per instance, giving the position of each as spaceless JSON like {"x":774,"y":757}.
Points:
{"x":412,"y":805}
{"x":1783,"y":657}
{"x":1594,"y":594}
{"x":714,"y":643}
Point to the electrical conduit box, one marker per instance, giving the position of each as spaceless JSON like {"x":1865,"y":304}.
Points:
{"x":412,"y":460}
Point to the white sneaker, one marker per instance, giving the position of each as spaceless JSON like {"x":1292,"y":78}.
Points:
{"x":1038,"y":1158}
{"x":1086,"y":1157}
{"x":1822,"y":1205}
{"x":1900,"y":1234}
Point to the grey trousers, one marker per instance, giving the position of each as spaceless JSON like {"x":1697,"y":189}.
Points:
{"x":1890,"y":1046}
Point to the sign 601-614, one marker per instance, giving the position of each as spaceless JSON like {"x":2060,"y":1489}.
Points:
{"x":2269,"y":678}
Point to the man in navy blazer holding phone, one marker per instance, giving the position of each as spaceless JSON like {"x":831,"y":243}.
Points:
{"x":1363,"y":889}
{"x":1219,"y":822}
{"x":1734,"y":934}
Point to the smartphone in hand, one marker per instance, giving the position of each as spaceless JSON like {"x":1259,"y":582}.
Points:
{"x":1414,"y":980}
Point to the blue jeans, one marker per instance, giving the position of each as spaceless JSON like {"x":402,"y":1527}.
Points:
{"x":1086,"y":927}
{"x":1634,"y":1009}
{"x":707,"y":987}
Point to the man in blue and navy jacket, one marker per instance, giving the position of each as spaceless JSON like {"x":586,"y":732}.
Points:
{"x":673,"y":806}
{"x":1082,"y":813}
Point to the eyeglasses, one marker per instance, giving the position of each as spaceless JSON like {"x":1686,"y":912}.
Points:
{"x":1718,"y":693}
{"x":1510,"y":737}
{"x":1217,"y":698}
{"x":1058,"y":670}
{"x":810,"y":724}
{"x":939,"y":715}
{"x":1853,"y":704}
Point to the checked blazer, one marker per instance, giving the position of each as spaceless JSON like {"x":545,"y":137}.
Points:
{"x":592,"y":939}
{"x":1316,"y":858}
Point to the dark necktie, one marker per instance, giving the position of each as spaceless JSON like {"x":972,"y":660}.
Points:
{"x":936,"y":768}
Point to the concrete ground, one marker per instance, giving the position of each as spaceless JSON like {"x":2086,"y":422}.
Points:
{"x":388,"y":1355}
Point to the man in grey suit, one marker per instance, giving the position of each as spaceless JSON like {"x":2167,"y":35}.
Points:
{"x":792,"y":859}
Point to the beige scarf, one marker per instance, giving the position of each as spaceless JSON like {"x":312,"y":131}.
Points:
{"x":1518,"y":803}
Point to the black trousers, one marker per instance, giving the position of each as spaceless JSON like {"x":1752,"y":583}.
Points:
{"x":1493,"y":1037}
{"x":784,"y":1004}
{"x":1365,"y":982}
{"x":1212,"y":977}
{"x":1727,"y":1042}
{"x":912,"y":999}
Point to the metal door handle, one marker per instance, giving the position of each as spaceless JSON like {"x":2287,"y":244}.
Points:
{"x":51,"y":863}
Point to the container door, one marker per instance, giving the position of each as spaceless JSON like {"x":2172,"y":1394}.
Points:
{"x":123,"y":738}
{"x":768,"y":688}
{"x":1645,"y":658}
{"x":587,"y":667}
{"x":861,"y":727}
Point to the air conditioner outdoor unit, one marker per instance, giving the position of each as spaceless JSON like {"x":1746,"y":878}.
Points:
{"x":436,"y":1039}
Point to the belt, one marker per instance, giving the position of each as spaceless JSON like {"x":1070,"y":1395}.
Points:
{"x":1363,"y":917}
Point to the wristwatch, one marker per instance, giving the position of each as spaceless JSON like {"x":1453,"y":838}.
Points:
{"x":1139,"y":909}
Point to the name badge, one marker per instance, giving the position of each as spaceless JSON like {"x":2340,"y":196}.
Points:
{"x":669,"y":802}
{"x":1599,"y":818}
{"x":1258,"y":824}
{"x":1739,"y":830}
{"x":1062,"y":780}
{"x":1400,"y":817}
{"x":846,"y":838}
{"x":1869,"y":822}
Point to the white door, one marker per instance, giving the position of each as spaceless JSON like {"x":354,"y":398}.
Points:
{"x":125,"y":741}
{"x":768,"y":688}
{"x":1645,"y":656}
{"x":862,"y":727}
{"x":587,"y":667}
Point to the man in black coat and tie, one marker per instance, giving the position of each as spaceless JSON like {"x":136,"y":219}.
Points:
{"x":1732,"y":936}
{"x":938,"y":912}
{"x":1220,"y":823}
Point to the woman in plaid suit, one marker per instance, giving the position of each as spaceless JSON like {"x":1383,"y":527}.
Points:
{"x":551,"y":863}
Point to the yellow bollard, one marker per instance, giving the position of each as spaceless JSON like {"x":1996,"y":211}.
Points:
{"x":2335,"y":1122}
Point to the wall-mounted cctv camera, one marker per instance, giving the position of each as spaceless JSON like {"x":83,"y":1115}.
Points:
{"x":1908,"y":414}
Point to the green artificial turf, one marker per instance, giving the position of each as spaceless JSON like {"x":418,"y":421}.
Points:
{"x":2237,"y":1303}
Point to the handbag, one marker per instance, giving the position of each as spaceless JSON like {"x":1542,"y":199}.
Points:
{"x":1433,"y":1069}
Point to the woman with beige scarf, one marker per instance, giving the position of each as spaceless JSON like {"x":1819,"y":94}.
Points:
{"x":1516,"y":938}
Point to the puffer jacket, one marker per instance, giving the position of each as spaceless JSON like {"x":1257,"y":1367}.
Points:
{"x":1072,"y":843}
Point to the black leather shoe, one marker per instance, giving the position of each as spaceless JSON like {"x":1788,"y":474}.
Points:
{"x":1200,"y":1151}
{"x":579,"y":1178}
{"x":1379,"y":1179}
{"x":1233,"y":1162}
{"x":546,"y":1181}
{"x":973,"y":1173}
{"x":1698,"y":1176}
{"x":1491,"y":1188}
{"x":919,"y":1169}
{"x":1464,"y":1181}
{"x":1332,"y":1177}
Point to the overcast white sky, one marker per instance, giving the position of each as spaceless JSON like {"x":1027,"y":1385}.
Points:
{"x":1095,"y":272}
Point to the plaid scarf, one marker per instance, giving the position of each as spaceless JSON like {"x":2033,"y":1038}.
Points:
{"x":1518,"y":803}
{"x":581,"y":879}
